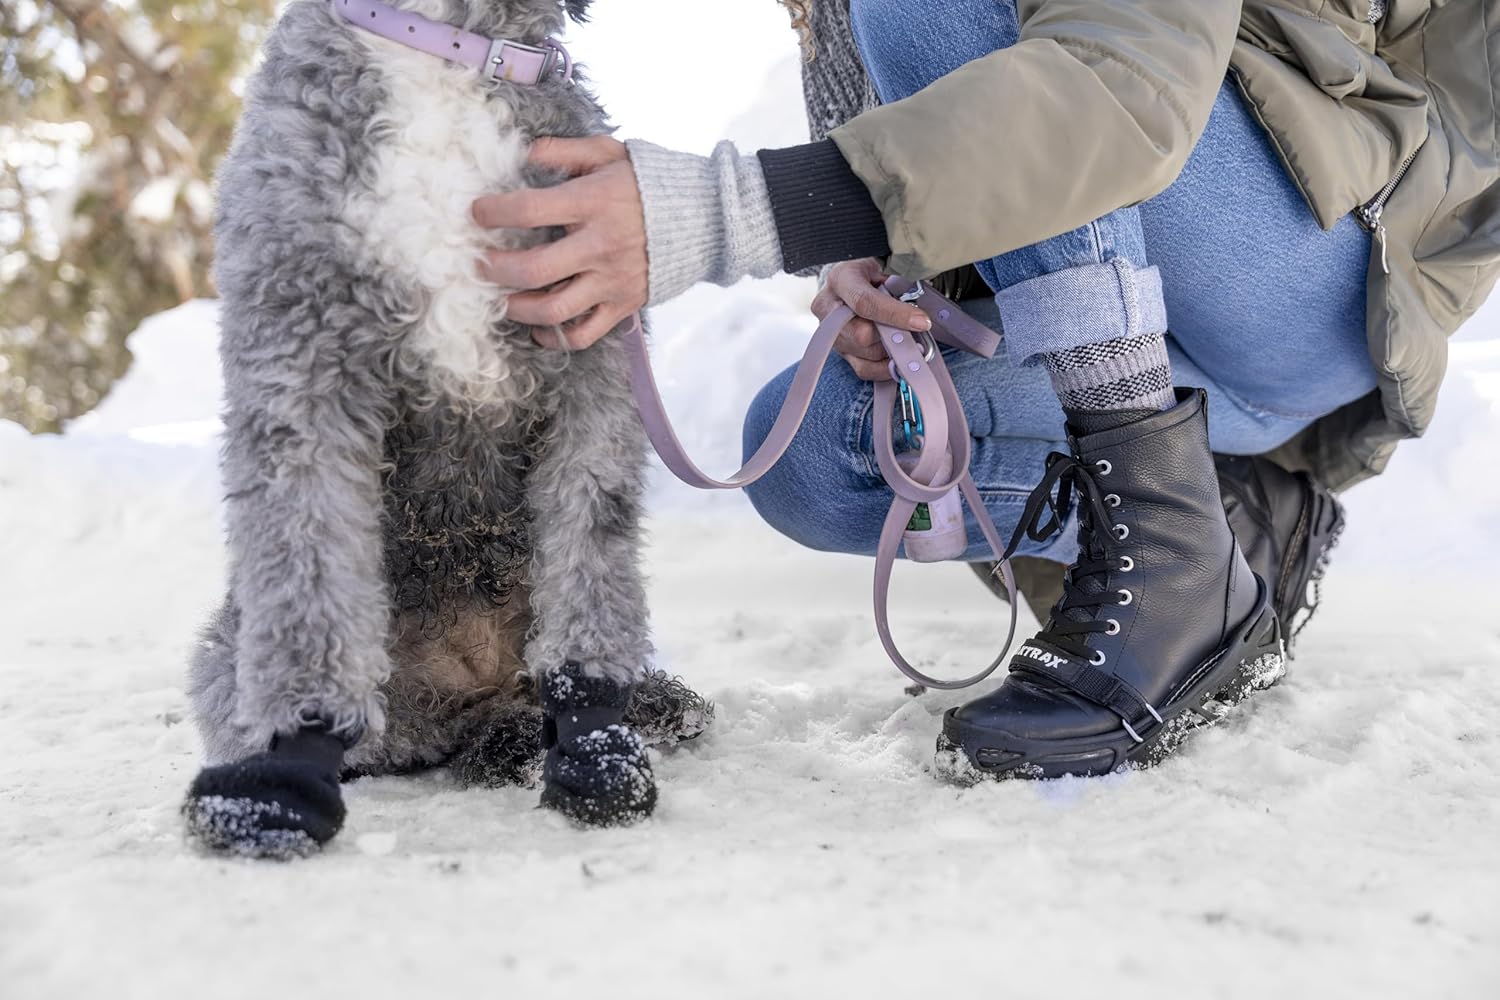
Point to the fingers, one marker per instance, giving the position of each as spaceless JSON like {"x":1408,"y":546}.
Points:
{"x":860,"y":345}
{"x":824,"y":303}
{"x":565,"y":204}
{"x":860,"y":340}
{"x":606,"y":240}
{"x":585,"y":332}
{"x":856,"y":283}
{"x":870,"y":371}
{"x":576,"y":156}
{"x":872,"y":303}
{"x":557,"y":306}
{"x":539,"y":266}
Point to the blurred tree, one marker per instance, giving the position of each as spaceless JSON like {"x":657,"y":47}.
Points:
{"x":113,"y":114}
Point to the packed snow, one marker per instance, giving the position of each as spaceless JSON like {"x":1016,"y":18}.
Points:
{"x":1335,"y":838}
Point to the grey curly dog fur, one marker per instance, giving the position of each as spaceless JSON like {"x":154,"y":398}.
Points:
{"x":403,"y":560}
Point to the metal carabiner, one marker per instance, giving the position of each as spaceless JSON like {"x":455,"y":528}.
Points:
{"x":911,"y":415}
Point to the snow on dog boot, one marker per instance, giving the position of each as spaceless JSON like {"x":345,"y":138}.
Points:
{"x":1287,"y":524}
{"x":281,"y":803}
{"x":596,"y":771}
{"x":1162,"y":624}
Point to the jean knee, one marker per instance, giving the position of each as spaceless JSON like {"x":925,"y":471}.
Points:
{"x":908,"y":44}
{"x":815,"y":494}
{"x":773,"y":499}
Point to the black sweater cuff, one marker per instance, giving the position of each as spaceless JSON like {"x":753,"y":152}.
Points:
{"x":823,"y":211}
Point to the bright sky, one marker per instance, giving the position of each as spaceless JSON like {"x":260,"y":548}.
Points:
{"x":675,"y":71}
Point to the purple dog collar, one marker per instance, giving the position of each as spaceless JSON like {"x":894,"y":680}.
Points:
{"x":491,"y":58}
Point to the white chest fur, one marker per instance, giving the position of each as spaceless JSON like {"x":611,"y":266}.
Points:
{"x":444,"y":145}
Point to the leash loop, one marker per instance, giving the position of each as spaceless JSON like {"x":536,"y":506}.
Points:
{"x":932,"y":422}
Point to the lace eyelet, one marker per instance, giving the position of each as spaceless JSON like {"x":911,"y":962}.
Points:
{"x":1104,"y":466}
{"x":1126,"y":597}
{"x":1114,"y":626}
{"x":1122,"y":531}
{"x":1126,"y":564}
{"x":1112,"y":500}
{"x":1098,"y":658}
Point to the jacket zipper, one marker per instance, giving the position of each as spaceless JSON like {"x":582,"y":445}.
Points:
{"x":1369,"y":213}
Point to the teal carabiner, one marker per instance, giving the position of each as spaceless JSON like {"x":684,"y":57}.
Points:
{"x":911,"y":415}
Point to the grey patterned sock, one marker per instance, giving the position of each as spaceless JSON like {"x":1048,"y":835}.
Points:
{"x":1131,"y":373}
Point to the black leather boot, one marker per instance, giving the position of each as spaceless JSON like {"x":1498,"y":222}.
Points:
{"x":596,"y":770}
{"x":1287,"y":524}
{"x":1162,"y":624}
{"x":281,"y":803}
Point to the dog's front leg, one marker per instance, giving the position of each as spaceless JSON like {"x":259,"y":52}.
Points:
{"x":590,"y":643}
{"x":304,"y":430}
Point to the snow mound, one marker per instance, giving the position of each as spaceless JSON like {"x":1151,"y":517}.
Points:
{"x":173,"y":391}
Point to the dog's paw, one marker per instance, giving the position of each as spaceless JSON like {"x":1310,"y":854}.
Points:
{"x":600,"y":778}
{"x":276,"y":804}
{"x":664,"y":710}
{"x":501,"y":749}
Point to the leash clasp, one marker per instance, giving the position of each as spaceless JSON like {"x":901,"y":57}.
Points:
{"x":911,"y":415}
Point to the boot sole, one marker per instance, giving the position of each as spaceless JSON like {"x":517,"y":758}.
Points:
{"x":1253,"y":659}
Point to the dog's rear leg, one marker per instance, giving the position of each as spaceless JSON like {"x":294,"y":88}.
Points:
{"x":304,"y":429}
{"x":590,"y":641}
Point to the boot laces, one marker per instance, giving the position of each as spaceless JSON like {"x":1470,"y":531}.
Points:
{"x":1086,"y":583}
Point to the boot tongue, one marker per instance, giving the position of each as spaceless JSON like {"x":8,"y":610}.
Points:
{"x":1082,"y":423}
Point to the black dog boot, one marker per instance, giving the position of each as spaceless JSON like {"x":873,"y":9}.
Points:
{"x":281,"y":803}
{"x":1287,"y":524}
{"x":1162,"y":625}
{"x":596,"y":771}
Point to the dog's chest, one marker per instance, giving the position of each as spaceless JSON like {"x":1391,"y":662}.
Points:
{"x":442,"y":144}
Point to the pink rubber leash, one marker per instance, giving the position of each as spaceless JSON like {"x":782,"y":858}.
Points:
{"x":921,"y":365}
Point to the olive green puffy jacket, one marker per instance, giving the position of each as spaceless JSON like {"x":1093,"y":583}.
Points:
{"x":1395,"y":121}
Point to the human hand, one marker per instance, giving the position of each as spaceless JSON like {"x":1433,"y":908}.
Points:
{"x":580,"y":286}
{"x":856,"y":283}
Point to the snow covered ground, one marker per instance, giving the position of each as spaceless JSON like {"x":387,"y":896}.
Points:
{"x":1336,"y":839}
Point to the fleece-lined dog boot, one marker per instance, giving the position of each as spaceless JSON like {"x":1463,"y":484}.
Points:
{"x":1287,"y":524}
{"x":1162,"y":624}
{"x":596,"y":771}
{"x":281,"y":803}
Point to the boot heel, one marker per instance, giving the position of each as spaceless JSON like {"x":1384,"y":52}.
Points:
{"x":1262,"y":663}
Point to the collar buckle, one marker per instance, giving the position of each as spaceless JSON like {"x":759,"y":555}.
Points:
{"x":524,"y":64}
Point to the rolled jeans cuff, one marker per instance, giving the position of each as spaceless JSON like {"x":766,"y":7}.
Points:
{"x":1089,"y":304}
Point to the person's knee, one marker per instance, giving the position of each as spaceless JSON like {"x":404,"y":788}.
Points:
{"x":906,"y":46}
{"x":809,"y":495}
{"x":762,"y":413}
{"x":776,"y":496}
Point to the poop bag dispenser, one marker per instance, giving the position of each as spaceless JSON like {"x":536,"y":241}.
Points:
{"x":936,"y":529}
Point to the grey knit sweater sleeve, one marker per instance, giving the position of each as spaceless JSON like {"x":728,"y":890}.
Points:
{"x":708,"y":218}
{"x":711,"y":218}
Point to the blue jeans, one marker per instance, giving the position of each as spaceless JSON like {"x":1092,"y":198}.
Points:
{"x":1266,"y":310}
